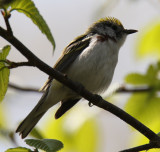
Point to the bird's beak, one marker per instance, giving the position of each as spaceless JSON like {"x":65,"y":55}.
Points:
{"x":130,"y":31}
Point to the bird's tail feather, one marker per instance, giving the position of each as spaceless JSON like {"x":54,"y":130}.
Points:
{"x":27,"y":125}
{"x":32,"y":119}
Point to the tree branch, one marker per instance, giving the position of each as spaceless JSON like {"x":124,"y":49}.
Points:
{"x":141,"y":148}
{"x":18,"y":64}
{"x":11,"y":65}
{"x":123,"y":89}
{"x":26,"y":89}
{"x":79,"y":89}
{"x":6,"y":17}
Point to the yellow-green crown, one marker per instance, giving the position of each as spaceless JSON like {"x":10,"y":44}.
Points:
{"x":102,"y":25}
{"x":110,"y":20}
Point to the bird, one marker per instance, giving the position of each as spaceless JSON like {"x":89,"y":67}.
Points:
{"x":90,"y":59}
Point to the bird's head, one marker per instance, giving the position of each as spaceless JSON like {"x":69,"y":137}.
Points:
{"x":111,"y":28}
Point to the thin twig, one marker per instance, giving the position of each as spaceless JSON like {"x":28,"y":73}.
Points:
{"x":18,"y":64}
{"x":140,"y":148}
{"x":6,"y":17}
{"x":26,"y":89}
{"x":11,"y":65}
{"x":125,"y":89}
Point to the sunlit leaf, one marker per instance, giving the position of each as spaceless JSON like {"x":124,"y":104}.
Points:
{"x":148,"y":42}
{"x":2,"y":117}
{"x":36,"y":133}
{"x":18,"y":149}
{"x":136,"y":104}
{"x":139,"y":139}
{"x":136,"y":79}
{"x":49,"y":145}
{"x":4,"y":72}
{"x":4,"y":2}
{"x":158,"y":65}
{"x":90,"y":142}
{"x":151,"y":78}
{"x":29,"y":9}
{"x":152,"y":72}
{"x":75,"y":129}
{"x":144,"y":106}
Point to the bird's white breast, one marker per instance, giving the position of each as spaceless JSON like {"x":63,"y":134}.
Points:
{"x":94,"y":67}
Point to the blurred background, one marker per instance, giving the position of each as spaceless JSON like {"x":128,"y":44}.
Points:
{"x":84,"y":128}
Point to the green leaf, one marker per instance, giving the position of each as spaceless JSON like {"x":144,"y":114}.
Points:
{"x":49,"y":145}
{"x":153,"y":75}
{"x":80,"y":134}
{"x":4,"y":72}
{"x":2,"y":118}
{"x":152,"y":71}
{"x":136,"y":104}
{"x":18,"y":149}
{"x":136,"y":79}
{"x":29,"y":9}
{"x":36,"y":133}
{"x":150,"y":78}
{"x":4,"y":2}
{"x":158,"y":65}
{"x":139,"y":139}
{"x":87,"y":130}
{"x":148,"y":43}
{"x":144,"y":107}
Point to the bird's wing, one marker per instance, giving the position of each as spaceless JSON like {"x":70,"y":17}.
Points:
{"x":65,"y":106}
{"x":70,"y":53}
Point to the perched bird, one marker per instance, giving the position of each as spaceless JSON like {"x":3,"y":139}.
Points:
{"x":90,"y":59}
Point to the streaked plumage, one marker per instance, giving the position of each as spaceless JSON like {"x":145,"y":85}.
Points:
{"x":89,"y":59}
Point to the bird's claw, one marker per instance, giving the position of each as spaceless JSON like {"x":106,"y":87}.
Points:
{"x":90,"y":104}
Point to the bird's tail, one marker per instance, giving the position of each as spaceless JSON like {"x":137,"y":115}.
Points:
{"x":32,"y":119}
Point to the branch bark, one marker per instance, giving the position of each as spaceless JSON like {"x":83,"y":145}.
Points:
{"x":26,"y":89}
{"x":79,"y":89}
{"x":123,"y":89}
{"x":140,"y":148}
{"x":6,"y":17}
{"x":18,"y":64}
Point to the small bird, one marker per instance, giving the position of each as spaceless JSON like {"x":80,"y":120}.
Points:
{"x":89,"y":59}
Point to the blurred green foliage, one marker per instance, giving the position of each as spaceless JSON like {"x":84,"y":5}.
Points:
{"x":145,"y":106}
{"x":48,"y":145}
{"x":2,"y":118}
{"x":18,"y":149}
{"x":148,"y":42}
{"x":150,"y":79}
{"x":78,"y":135}
{"x":4,"y":72}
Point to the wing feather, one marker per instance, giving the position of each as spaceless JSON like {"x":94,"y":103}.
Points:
{"x":70,"y":53}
